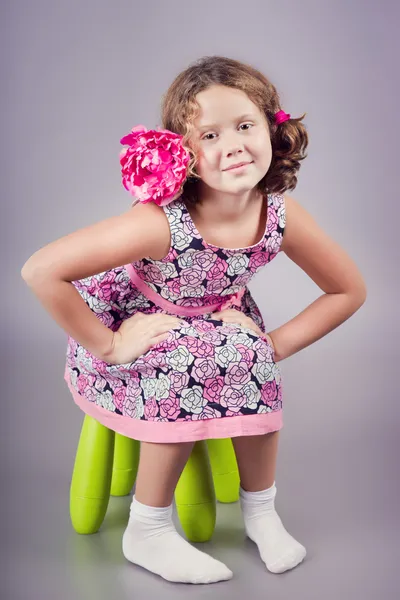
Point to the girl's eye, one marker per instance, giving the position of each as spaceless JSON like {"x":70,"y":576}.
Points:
{"x":207,"y":138}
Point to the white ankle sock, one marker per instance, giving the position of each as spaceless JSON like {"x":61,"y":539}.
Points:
{"x":278,"y":549}
{"x":151,"y":541}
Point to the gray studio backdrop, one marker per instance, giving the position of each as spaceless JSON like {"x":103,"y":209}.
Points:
{"x":78,"y":75}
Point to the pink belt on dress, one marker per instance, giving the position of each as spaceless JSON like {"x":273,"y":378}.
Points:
{"x":186,"y":311}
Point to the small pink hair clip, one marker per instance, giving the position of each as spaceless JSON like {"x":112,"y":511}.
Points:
{"x":281,"y":116}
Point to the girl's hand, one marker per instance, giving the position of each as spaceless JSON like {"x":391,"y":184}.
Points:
{"x":138,"y":334}
{"x":231,"y":315}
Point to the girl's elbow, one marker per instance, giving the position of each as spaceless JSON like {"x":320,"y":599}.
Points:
{"x":358,"y":290}
{"x":362,"y":296}
{"x":359,"y":294}
{"x":26,"y":272}
{"x":30,"y":271}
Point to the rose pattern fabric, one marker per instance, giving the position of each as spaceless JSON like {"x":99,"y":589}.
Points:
{"x":206,"y":369}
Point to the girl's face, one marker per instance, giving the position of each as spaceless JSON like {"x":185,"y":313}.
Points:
{"x":230,"y":129}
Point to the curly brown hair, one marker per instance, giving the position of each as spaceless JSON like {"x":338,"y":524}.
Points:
{"x":179,"y":109}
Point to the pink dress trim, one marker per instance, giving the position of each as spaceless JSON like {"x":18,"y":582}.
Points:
{"x":185,"y":311}
{"x":178,"y":431}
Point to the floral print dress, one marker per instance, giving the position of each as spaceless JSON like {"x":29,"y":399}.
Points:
{"x":208,"y":379}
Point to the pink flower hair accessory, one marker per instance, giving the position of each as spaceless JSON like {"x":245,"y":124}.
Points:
{"x":281,"y":116}
{"x":154,"y":165}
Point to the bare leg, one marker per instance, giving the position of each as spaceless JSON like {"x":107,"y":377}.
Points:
{"x":256,"y":457}
{"x":160,"y":467}
{"x":150,"y":539}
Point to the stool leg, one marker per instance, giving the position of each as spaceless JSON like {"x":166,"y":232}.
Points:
{"x":224,"y":470}
{"x":125,"y":466}
{"x":91,"y":478}
{"x":195,"y":497}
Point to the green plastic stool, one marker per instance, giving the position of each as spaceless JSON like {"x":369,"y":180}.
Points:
{"x":106,"y":464}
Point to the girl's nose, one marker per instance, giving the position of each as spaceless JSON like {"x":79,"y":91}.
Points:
{"x":233,"y":150}
{"x":232,"y":143}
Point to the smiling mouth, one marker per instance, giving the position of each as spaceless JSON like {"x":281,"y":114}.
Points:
{"x":239,"y":166}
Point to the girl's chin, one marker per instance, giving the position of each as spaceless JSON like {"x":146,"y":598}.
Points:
{"x":233,"y":187}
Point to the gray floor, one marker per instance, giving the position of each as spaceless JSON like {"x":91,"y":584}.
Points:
{"x":44,"y":558}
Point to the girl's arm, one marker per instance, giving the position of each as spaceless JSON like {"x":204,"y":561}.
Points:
{"x":328,"y":265}
{"x":141,"y":232}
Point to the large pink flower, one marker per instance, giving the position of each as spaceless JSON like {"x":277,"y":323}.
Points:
{"x":150,"y":409}
{"x":169,"y":407}
{"x":232,"y":399}
{"x":193,"y":275}
{"x":258,"y":260}
{"x":237,"y":374}
{"x":178,"y":380}
{"x":246,"y":353}
{"x":216,"y":286}
{"x":154,"y":274}
{"x":212,"y":388}
{"x":83,"y":382}
{"x":269,"y":392}
{"x":154,"y":166}
{"x":203,"y":368}
{"x":174,"y":286}
{"x":218,"y":269}
{"x":109,"y":287}
{"x":204,"y":259}
{"x":272,"y":220}
{"x":119,"y":396}
{"x":99,"y":365}
{"x":106,"y":318}
{"x":197,"y":347}
{"x":207,"y":413}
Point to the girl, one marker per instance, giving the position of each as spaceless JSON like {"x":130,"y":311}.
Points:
{"x":171,"y":347}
